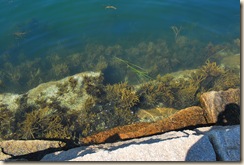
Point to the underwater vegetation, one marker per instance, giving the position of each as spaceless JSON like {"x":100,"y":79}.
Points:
{"x":134,"y":64}
{"x":111,"y":105}
{"x":142,"y":76}
{"x":170,"y":91}
{"x":42,"y":123}
{"x":7,"y":123}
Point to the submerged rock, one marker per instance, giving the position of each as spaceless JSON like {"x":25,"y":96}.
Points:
{"x":68,"y":92}
{"x":154,"y":114}
{"x":231,"y":61}
{"x":43,"y":111}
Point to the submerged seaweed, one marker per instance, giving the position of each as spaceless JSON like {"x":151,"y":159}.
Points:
{"x":114,"y":98}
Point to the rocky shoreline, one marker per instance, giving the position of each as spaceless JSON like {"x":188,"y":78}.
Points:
{"x":221,"y":143}
{"x":64,"y":100}
{"x":214,"y":143}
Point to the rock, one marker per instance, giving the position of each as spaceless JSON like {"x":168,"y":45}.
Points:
{"x":12,"y":148}
{"x":63,"y":97}
{"x":187,"y":117}
{"x":9,"y":101}
{"x":171,"y":146}
{"x":214,"y":102}
{"x":67,"y":92}
{"x":202,"y":144}
{"x":4,"y":156}
{"x":226,"y":142}
{"x":154,"y":114}
{"x":231,"y":61}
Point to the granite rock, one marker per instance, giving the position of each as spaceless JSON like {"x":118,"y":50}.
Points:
{"x":202,"y":144}
{"x":215,"y":102}
{"x":13,"y":148}
{"x":188,"y":117}
{"x":171,"y":146}
{"x":226,"y":142}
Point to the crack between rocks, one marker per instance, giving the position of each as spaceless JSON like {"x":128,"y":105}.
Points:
{"x":2,"y":150}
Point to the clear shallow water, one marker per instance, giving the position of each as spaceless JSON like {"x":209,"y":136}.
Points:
{"x":69,"y":25}
{"x":36,"y":29}
{"x":129,"y":41}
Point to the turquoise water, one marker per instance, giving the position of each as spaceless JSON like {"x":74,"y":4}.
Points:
{"x":51,"y":24}
{"x":35,"y":29}
{"x":130,"y":41}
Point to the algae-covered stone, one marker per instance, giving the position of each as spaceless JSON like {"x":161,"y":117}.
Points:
{"x":9,"y":101}
{"x":68,"y":92}
{"x":47,"y":111}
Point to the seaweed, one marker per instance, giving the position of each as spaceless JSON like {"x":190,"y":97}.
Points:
{"x":43,"y":123}
{"x":123,"y":95}
{"x":229,"y":79}
{"x":140,"y":72}
{"x":176,"y":30}
{"x":7,"y":123}
{"x":93,"y":86}
{"x":211,"y":72}
{"x":73,"y":82}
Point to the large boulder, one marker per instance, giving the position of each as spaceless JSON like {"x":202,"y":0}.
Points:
{"x":68,"y":92}
{"x":48,"y":103}
{"x":225,"y":140}
{"x":216,"y":102}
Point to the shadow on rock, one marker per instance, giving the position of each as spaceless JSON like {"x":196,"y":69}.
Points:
{"x":225,"y":141}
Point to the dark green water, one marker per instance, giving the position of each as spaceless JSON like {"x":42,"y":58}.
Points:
{"x":37,"y":29}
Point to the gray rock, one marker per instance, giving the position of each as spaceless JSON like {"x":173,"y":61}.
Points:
{"x":10,"y":148}
{"x":218,"y":143}
{"x":226,"y":142}
{"x":171,"y":146}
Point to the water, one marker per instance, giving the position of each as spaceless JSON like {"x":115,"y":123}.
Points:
{"x":36,"y":29}
{"x":132,"y":41}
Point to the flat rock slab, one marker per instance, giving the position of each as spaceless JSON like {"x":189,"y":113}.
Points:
{"x":190,"y":116}
{"x":171,"y":146}
{"x":10,"y":148}
{"x":203,"y":144}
